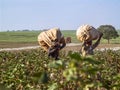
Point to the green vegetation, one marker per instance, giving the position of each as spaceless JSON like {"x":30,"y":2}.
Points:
{"x":70,"y":33}
{"x":33,"y":70}
{"x":112,"y":41}
{"x":19,"y":36}
{"x":118,"y":32}
{"x":109,"y":32}
{"x":31,"y":36}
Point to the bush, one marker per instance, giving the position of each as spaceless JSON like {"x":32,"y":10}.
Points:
{"x":32,"y":69}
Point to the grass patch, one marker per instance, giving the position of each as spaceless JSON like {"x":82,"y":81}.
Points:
{"x":31,"y":36}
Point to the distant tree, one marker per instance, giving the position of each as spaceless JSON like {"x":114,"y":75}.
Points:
{"x":108,"y":31}
{"x":25,"y":30}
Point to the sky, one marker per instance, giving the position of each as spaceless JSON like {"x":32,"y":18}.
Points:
{"x":64,"y":14}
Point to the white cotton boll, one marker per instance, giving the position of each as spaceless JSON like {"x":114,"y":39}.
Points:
{"x":51,"y":75}
{"x":45,"y":65}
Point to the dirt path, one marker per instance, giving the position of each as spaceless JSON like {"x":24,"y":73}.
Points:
{"x":33,"y":47}
{"x":71,"y":46}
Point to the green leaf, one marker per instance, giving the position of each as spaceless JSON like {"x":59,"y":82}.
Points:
{"x":56,"y":64}
{"x":44,"y":78}
{"x":70,"y":74}
{"x":92,"y":61}
{"x":91,"y":70}
{"x":54,"y":86}
{"x":2,"y":87}
{"x":41,"y":77}
{"x":75,"y":56}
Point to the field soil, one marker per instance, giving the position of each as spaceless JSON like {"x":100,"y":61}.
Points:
{"x":69,"y":47}
{"x":100,"y":46}
{"x":17,"y":44}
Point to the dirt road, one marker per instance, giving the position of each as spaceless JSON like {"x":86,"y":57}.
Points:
{"x":71,"y":46}
{"x":33,"y":47}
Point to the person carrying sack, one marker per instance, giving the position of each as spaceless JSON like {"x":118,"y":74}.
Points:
{"x":86,"y":34}
{"x":52,"y":41}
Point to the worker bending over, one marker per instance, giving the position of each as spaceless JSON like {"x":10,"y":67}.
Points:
{"x":52,"y":41}
{"x":86,"y":34}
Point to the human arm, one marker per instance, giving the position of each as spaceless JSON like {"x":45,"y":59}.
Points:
{"x":98,"y":41}
{"x":54,"y":48}
{"x":63,"y":43}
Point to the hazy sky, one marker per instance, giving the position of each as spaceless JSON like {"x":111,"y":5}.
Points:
{"x":65,"y":14}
